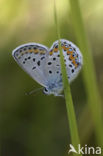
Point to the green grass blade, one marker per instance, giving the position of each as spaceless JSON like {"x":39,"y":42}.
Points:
{"x":89,"y":75}
{"x":67,"y":93}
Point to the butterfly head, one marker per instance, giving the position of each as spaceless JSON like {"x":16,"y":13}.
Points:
{"x":54,"y":90}
{"x":46,"y":91}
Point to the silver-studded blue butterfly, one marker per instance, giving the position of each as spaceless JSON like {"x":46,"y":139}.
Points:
{"x":43,"y":64}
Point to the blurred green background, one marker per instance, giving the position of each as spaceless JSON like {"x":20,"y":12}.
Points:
{"x":37,"y":124}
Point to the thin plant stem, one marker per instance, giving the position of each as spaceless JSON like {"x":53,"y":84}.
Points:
{"x":67,"y":92}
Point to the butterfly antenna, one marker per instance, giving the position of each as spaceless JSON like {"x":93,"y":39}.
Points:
{"x":34,"y":91}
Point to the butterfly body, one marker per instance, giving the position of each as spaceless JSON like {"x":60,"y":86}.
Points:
{"x":43,"y":64}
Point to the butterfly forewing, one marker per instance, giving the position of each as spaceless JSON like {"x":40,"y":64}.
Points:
{"x":31,"y":57}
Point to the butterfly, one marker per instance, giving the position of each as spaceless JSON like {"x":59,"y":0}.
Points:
{"x":43,"y":64}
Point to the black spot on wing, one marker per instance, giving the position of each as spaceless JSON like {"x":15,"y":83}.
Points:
{"x":72,"y":70}
{"x":49,"y":63}
{"x":33,"y":68}
{"x":50,"y":72}
{"x":29,"y":57}
{"x":33,"y":59}
{"x":42,"y":58}
{"x":70,"y":65}
{"x":38,"y":63}
{"x":54,"y":58}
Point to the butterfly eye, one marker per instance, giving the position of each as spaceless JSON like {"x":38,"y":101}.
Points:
{"x":45,"y":91}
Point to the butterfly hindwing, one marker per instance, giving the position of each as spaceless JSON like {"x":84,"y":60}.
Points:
{"x":72,"y":58}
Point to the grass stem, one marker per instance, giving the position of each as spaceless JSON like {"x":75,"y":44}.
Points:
{"x":67,"y":92}
{"x":89,"y":76}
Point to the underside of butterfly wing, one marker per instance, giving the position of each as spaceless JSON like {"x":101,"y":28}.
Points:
{"x":73,"y":62}
{"x":31,"y":57}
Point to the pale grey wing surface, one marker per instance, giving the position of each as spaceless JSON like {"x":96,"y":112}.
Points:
{"x":73,"y":61}
{"x":52,"y":67}
{"x":31,"y":57}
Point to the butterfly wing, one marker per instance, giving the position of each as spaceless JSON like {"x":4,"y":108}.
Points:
{"x":72,"y":58}
{"x":31,"y":57}
{"x":53,"y":70}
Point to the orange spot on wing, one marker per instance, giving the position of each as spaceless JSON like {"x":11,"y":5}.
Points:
{"x":64,"y":48}
{"x":36,"y":51}
{"x":56,"y":50}
{"x":51,"y":53}
{"x":69,"y":52}
{"x":71,"y":57}
{"x":67,"y":48}
{"x":42,"y":52}
{"x":30,"y":50}
{"x":75,"y":64}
